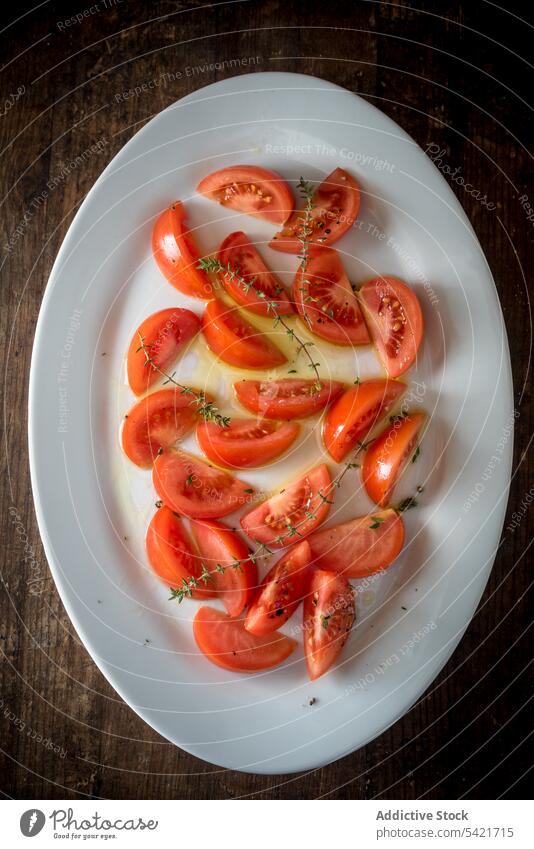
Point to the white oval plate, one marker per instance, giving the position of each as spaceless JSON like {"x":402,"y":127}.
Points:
{"x":93,"y":507}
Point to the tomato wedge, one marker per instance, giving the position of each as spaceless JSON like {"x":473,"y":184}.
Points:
{"x":247,"y":188}
{"x":329,"y":613}
{"x":155,"y":422}
{"x":388,"y":455}
{"x":325,"y":300}
{"x":170,"y":553}
{"x":359,"y":547}
{"x":281,"y":591}
{"x":395,"y":320}
{"x":195,"y":489}
{"x":245,"y":443}
{"x":335,"y":207}
{"x":359,"y":409}
{"x":165,"y":335}
{"x":266,"y":295}
{"x":234,"y":575}
{"x":177,"y":255}
{"x":227,"y":643}
{"x":233,"y":339}
{"x":294,"y":512}
{"x":286,"y":399}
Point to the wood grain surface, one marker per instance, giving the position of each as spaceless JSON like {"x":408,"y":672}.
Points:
{"x":454,"y":75}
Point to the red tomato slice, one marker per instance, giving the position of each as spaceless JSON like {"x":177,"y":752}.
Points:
{"x":245,"y":443}
{"x":294,"y":512}
{"x":286,"y":399}
{"x":234,"y":575}
{"x":233,"y":339}
{"x":170,"y":553}
{"x":326,"y":303}
{"x":177,"y":255}
{"x":155,"y":422}
{"x":395,"y":322}
{"x":388,"y":455}
{"x":226,"y":643}
{"x":360,"y":547}
{"x":246,"y":188}
{"x":359,"y":409}
{"x":195,"y":489}
{"x":238,"y":254}
{"x":329,"y":613}
{"x":281,"y":592}
{"x":165,"y":335}
{"x":336,"y":203}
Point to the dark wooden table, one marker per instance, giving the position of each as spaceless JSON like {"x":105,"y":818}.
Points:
{"x":453,"y":75}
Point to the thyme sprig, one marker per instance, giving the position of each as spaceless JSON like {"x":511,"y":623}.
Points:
{"x":205,"y":408}
{"x":214,"y":265}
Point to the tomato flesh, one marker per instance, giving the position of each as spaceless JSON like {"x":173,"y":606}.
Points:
{"x":326,"y":302}
{"x":329,"y":613}
{"x":155,"y":423}
{"x":245,"y":443}
{"x":170,"y":553}
{"x":165,"y":335}
{"x":395,"y":320}
{"x":281,"y":592}
{"x":237,"y":342}
{"x":233,"y":575}
{"x":356,"y":412}
{"x":335,"y":207}
{"x":388,"y":456}
{"x":195,"y":489}
{"x":259,"y":290}
{"x":294,"y":512}
{"x":177,"y":255}
{"x":249,"y":189}
{"x":359,"y":547}
{"x":286,"y":399}
{"x":227,"y":643}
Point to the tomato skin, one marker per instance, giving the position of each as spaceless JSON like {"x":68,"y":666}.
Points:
{"x":245,"y":443}
{"x":237,"y":342}
{"x":238,"y":253}
{"x":325,"y":300}
{"x":336,"y":203}
{"x":218,"y":545}
{"x":360,"y":547}
{"x":157,"y":421}
{"x":286,"y":399}
{"x":194,"y":489}
{"x":395,"y":321}
{"x":170,"y":553}
{"x":281,"y":592}
{"x":250,"y":189}
{"x":329,"y":613}
{"x":227,"y":643}
{"x":356,"y":412}
{"x":388,"y":455}
{"x":177,"y":255}
{"x":165,"y":335}
{"x":268,"y":523}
